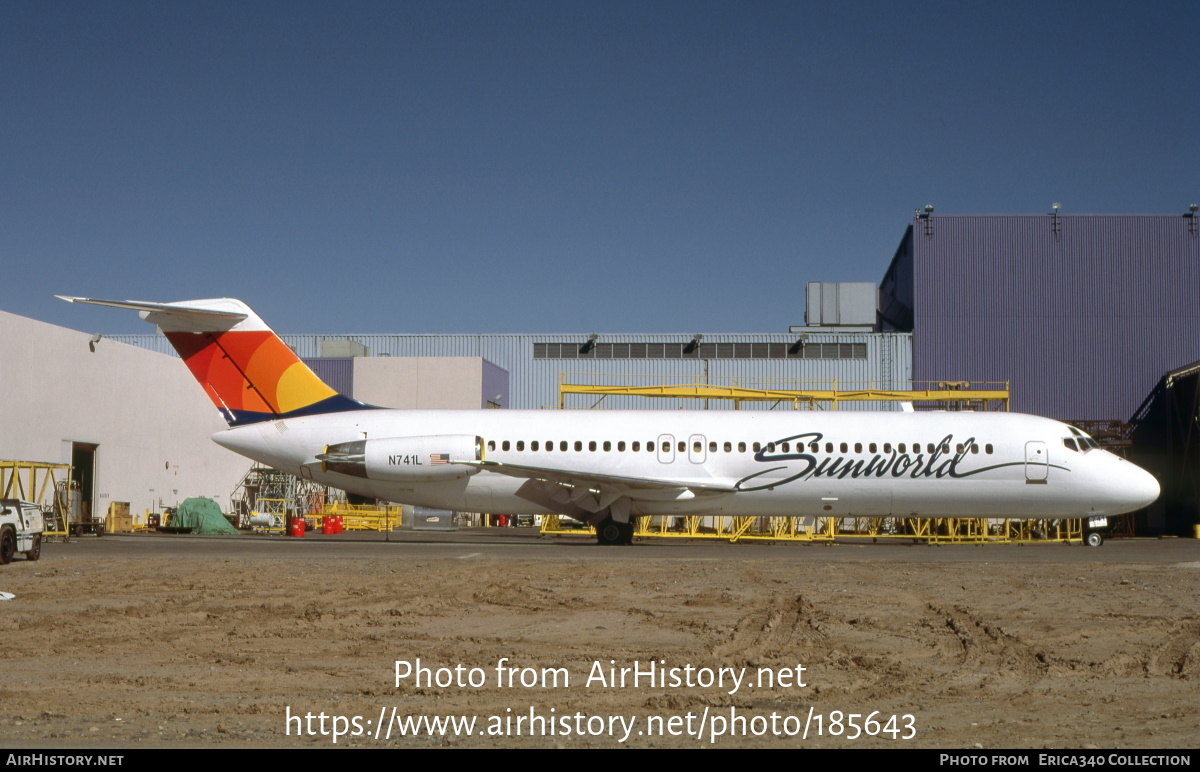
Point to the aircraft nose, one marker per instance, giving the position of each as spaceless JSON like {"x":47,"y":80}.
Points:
{"x":1134,"y":487}
{"x":1147,"y":488}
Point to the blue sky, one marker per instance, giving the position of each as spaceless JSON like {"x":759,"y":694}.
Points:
{"x":555,"y":166}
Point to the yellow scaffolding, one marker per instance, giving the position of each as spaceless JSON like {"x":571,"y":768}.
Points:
{"x":12,"y":487}
{"x":944,"y":530}
{"x":815,"y":394}
{"x":356,"y":517}
{"x":809,"y":394}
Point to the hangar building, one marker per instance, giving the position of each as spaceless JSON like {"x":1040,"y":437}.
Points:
{"x":1086,"y":316}
{"x":1082,"y":314}
{"x":132,"y":423}
{"x":837,"y":345}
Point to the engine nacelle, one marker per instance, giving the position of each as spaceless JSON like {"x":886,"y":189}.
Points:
{"x":409,"y":459}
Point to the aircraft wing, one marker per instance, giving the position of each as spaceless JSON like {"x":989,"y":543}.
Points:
{"x":572,"y":477}
{"x":589,"y":495}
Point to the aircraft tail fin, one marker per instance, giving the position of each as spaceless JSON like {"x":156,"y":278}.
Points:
{"x":246,"y":370}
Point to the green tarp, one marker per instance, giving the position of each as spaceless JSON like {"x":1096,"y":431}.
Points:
{"x":202,"y":516}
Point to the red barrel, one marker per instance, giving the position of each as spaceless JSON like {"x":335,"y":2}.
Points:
{"x":328,"y":525}
{"x":295,"y":526}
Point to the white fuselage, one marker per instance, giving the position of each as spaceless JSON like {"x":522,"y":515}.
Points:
{"x":923,"y":464}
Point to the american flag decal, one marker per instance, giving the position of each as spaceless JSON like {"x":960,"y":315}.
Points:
{"x":439,"y":458}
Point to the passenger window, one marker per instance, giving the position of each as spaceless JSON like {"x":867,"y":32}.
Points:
{"x":974,"y":448}
{"x":887,"y":447}
{"x":533,"y":445}
{"x":491,"y":444}
{"x":621,"y":446}
{"x":607,"y":446}
{"x":729,"y":447}
{"x":901,"y":447}
{"x":741,"y":447}
{"x":814,"y":447}
{"x":697,"y":447}
{"x":578,"y":445}
{"x":682,"y":446}
{"x":637,"y":446}
{"x":829,"y":447}
{"x":770,"y":447}
{"x":712,"y":447}
{"x":549,"y":445}
{"x":988,"y":449}
{"x":563,"y":446}
{"x":958,"y":448}
{"x":929,"y":447}
{"x":787,"y":447}
{"x":504,"y":446}
{"x":872,"y":447}
{"x":520,"y":444}
{"x":844,"y":447}
{"x":666,"y":447}
{"x":757,"y":447}
{"x":592,"y":446}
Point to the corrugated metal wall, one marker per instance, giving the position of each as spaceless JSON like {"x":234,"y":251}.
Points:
{"x":1082,"y":313}
{"x":534,"y":382}
{"x":338,"y":372}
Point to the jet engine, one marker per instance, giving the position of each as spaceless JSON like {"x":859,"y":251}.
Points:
{"x":409,"y":459}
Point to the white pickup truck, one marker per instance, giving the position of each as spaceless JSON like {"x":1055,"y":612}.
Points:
{"x":21,"y":527}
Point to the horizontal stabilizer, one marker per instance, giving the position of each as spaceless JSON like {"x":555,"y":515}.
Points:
{"x":214,"y":315}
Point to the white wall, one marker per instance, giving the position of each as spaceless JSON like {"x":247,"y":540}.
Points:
{"x":149,"y":418}
{"x":420,"y":382}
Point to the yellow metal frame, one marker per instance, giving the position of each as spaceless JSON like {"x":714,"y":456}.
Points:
{"x":357,"y":517}
{"x":943,"y":530}
{"x":967,"y":393}
{"x":11,"y":486}
{"x":810,"y":394}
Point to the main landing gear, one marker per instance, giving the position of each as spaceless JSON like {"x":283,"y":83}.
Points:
{"x":609,"y":531}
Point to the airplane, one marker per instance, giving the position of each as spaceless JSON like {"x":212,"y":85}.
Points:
{"x":606,"y":467}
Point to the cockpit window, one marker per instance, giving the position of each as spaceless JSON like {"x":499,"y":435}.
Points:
{"x":1081,"y":442}
{"x":1084,"y":442}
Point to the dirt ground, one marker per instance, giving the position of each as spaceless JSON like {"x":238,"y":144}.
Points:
{"x":206,"y":649}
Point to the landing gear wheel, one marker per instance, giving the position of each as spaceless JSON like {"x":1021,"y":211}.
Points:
{"x":1093,"y":539}
{"x":8,"y":546}
{"x":36,"y":551}
{"x":609,"y":531}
